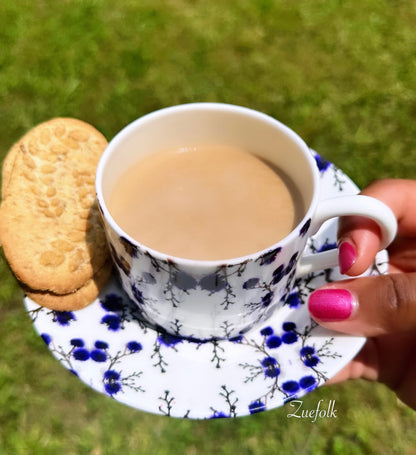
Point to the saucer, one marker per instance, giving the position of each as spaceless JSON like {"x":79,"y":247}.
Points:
{"x":111,"y":350}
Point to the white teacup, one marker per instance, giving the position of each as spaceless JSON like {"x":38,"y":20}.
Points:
{"x":222,"y":299}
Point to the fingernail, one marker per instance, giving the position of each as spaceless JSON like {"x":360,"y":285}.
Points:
{"x":346,"y":256}
{"x":330,"y":305}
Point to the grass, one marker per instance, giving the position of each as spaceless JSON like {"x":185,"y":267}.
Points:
{"x":340,"y":73}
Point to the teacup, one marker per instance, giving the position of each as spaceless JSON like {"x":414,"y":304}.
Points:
{"x":202,"y":299}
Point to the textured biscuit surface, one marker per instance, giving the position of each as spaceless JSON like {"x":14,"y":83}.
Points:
{"x":76,"y":300}
{"x":7,"y":169}
{"x":50,"y":226}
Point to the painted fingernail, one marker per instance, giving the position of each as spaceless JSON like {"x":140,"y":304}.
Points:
{"x":330,"y":305}
{"x":346,"y":256}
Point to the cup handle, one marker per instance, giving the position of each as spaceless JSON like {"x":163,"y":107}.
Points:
{"x":361,"y":205}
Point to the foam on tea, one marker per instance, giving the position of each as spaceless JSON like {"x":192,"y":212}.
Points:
{"x":205,"y":202}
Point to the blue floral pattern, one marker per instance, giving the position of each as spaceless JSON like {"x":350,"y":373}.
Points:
{"x":110,"y":347}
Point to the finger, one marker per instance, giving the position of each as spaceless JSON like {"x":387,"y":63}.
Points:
{"x":359,"y":238}
{"x":365,"y":365}
{"x":369,"y":306}
{"x":402,"y":254}
{"x":387,"y":359}
{"x":406,"y":389}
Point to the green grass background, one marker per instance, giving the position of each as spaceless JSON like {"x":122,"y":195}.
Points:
{"x":340,"y":73}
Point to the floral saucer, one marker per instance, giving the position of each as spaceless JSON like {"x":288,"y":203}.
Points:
{"x":109,"y":348}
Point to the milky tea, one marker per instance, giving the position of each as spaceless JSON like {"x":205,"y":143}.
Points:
{"x":205,"y":202}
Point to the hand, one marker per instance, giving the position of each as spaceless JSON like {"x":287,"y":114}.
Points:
{"x":383,"y":308}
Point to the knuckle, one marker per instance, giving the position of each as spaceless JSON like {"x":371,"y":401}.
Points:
{"x":399,"y":301}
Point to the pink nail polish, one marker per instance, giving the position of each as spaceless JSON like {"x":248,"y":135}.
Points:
{"x":330,"y":305}
{"x":346,"y":256}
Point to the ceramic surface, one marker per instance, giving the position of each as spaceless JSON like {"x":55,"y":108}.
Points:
{"x":111,"y":349}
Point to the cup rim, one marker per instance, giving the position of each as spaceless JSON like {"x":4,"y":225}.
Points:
{"x":114,"y":142}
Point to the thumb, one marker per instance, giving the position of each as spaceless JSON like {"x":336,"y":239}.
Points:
{"x":359,"y":237}
{"x":368,"y":306}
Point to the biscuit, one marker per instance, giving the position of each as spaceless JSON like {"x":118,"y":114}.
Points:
{"x":7,"y":169}
{"x":76,"y":300}
{"x":50,"y":226}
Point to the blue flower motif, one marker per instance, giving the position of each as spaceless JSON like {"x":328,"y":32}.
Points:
{"x":134,"y":346}
{"x":290,"y":387}
{"x":236,"y":339}
{"x":101,"y":344}
{"x":183,"y":281}
{"x":193,"y":340}
{"x":322,"y":164}
{"x":112,"y":302}
{"x":290,"y":277}
{"x":46,"y":338}
{"x":307,"y":350}
{"x":256,"y":406}
{"x":308,"y":356}
{"x":270,"y":256}
{"x":64,"y":317}
{"x":291,"y":264}
{"x":304,"y":229}
{"x":288,"y":326}
{"x":112,"y":383}
{"x":273,"y":342}
{"x":327,"y":246}
{"x":271,"y":370}
{"x":112,"y":321}
{"x":308,"y":382}
{"x":81,"y":354}
{"x":219,"y":415}
{"x":311,"y":361}
{"x":266,"y":331}
{"x":289,"y":337}
{"x":111,"y":375}
{"x":266,"y":299}
{"x":112,"y":387}
{"x":138,"y":294}
{"x":213,"y":282}
{"x":268,"y":361}
{"x":294,"y":300}
{"x":278,"y":274}
{"x":251,"y":283}
{"x":77,"y":342}
{"x":98,"y":355}
{"x":169,"y":340}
